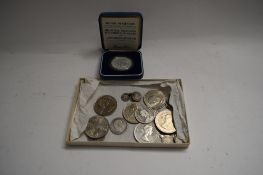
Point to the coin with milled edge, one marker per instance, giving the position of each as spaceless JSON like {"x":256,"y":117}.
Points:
{"x":146,"y":133}
{"x":154,"y":99}
{"x":121,"y":63}
{"x":167,"y":138}
{"x":129,"y":113}
{"x":118,"y":126}
{"x":144,"y":115}
{"x":136,"y":96}
{"x":125,"y":97}
{"x":105,"y":105}
{"x":164,"y":121}
{"x":97,"y":127}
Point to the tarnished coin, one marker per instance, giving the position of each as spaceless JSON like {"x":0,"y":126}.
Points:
{"x":125,"y":97}
{"x":146,"y":133}
{"x":129,"y":113}
{"x":154,"y":99}
{"x":167,"y":138}
{"x":97,"y":127}
{"x":105,"y":105}
{"x":164,"y":121}
{"x":136,"y":96}
{"x":118,"y":126}
{"x":144,"y":115}
{"x":120,"y":63}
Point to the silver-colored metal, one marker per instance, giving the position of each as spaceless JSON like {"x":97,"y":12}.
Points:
{"x":154,"y":99}
{"x":136,"y":96}
{"x":144,"y":115}
{"x":105,"y":105}
{"x":118,"y":126}
{"x":97,"y":127}
{"x":125,"y":97}
{"x":121,"y":63}
{"x":167,"y":138}
{"x":129,"y":113}
{"x":146,"y":133}
{"x":164,"y":121}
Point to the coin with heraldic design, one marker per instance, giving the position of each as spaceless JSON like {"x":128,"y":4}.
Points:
{"x":136,"y":96}
{"x":144,"y":115}
{"x":164,"y":122}
{"x":146,"y":133}
{"x":129,"y":113}
{"x":154,"y":99}
{"x":97,"y":127}
{"x":105,"y":105}
{"x":118,"y":126}
{"x":121,"y":63}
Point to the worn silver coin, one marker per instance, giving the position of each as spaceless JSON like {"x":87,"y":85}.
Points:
{"x":154,"y":99}
{"x":97,"y":127}
{"x":146,"y":133}
{"x":144,"y":115}
{"x":105,"y":105}
{"x":136,"y":96}
{"x":118,"y":126}
{"x":167,"y":138}
{"x":121,"y":63}
{"x":129,"y":113}
{"x":125,"y":97}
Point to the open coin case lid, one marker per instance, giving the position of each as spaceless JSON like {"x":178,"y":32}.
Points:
{"x":121,"y":39}
{"x":91,"y":122}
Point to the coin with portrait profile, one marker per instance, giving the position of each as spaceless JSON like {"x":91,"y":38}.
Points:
{"x":146,"y":133}
{"x":164,"y":121}
{"x":144,"y":114}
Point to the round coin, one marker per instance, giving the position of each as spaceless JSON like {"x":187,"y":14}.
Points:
{"x":120,"y":63}
{"x":167,"y":138}
{"x":136,"y":96}
{"x":125,"y":97}
{"x":154,"y":99}
{"x":105,"y":105}
{"x":118,"y":126}
{"x":164,"y":122}
{"x":97,"y":127}
{"x":144,"y":115}
{"x":146,"y":133}
{"x":129,"y":113}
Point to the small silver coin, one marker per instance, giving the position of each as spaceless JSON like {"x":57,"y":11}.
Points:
{"x":121,"y":63}
{"x":167,"y":138}
{"x":154,"y":99}
{"x":136,"y":96}
{"x":105,"y":105}
{"x":118,"y":126}
{"x":144,"y":115}
{"x":97,"y":127}
{"x":125,"y":97}
{"x":146,"y":133}
{"x":129,"y":113}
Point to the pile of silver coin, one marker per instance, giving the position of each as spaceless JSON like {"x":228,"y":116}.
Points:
{"x":150,"y":113}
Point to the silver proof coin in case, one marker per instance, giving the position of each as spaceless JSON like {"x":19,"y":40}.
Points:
{"x":121,"y":63}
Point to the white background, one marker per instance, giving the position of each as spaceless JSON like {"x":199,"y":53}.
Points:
{"x":216,"y":47}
